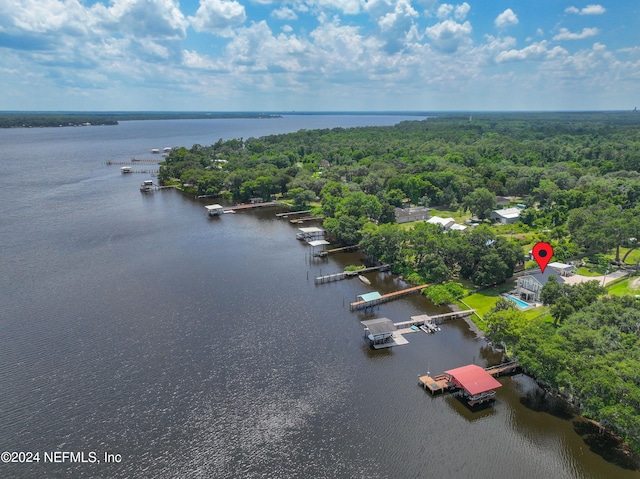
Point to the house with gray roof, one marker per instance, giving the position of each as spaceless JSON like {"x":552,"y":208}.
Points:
{"x":530,"y":285}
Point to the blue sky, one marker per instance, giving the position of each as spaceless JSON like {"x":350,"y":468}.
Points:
{"x":274,"y":55}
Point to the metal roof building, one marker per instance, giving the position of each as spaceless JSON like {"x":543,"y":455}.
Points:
{"x":477,"y":385}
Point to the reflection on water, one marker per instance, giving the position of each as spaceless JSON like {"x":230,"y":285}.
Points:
{"x":199,"y":348}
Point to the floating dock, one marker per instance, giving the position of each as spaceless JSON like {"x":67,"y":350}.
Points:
{"x":366,"y":302}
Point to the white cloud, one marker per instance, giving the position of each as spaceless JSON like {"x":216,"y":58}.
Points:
{"x":535,"y":51}
{"x":459,"y":11}
{"x":588,"y":10}
{"x":284,"y":13}
{"x":395,"y":26}
{"x":506,"y":19}
{"x":444,"y":10}
{"x":218,"y":16}
{"x":449,"y":35}
{"x":565,"y":34}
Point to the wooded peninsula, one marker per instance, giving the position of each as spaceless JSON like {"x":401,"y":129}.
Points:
{"x":506,"y":181}
{"x":19,"y":119}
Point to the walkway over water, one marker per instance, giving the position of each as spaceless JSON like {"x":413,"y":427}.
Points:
{"x":386,"y":297}
{"x":328,"y":278}
{"x":248,"y":206}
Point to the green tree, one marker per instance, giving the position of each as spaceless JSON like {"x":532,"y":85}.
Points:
{"x":480,"y":202}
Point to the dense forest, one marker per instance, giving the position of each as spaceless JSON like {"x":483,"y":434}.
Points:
{"x":575,"y":177}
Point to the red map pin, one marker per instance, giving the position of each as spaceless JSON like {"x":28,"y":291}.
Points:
{"x":542,"y":253}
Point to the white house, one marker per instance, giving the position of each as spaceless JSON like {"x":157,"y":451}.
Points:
{"x":445,"y":223}
{"x":506,"y":216}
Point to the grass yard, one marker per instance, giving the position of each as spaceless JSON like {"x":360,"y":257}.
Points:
{"x":584,"y":271}
{"x":625,"y":288}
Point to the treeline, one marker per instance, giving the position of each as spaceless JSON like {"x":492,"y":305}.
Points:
{"x":59,"y":119}
{"x":590,"y":355}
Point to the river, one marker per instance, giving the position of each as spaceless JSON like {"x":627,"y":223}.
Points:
{"x":192,"y":347}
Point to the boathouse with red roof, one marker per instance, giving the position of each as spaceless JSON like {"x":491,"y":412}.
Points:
{"x":476,"y":384}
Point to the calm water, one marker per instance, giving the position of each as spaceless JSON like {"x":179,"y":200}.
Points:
{"x":193,"y":347}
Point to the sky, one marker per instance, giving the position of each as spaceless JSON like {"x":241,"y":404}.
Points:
{"x":319,"y":55}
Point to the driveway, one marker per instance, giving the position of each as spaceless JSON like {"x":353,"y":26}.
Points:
{"x":576,"y":278}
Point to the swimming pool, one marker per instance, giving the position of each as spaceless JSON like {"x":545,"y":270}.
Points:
{"x":521,"y":304}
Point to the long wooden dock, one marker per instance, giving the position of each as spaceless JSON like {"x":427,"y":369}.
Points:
{"x":386,"y":297}
{"x":435,"y":319}
{"x":343,"y":249}
{"x":503,"y":369}
{"x":248,"y":206}
{"x":134,"y":161}
{"x":328,"y":278}
{"x":290,"y":213}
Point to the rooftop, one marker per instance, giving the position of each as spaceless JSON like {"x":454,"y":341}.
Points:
{"x":379,"y":326}
{"x":508,"y":212}
{"x":474,"y":379}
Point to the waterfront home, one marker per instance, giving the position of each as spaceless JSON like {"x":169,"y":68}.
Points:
{"x":530,"y":286}
{"x":506,"y":216}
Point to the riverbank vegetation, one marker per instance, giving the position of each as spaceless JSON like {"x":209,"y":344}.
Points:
{"x":575,"y":177}
{"x":11,"y":119}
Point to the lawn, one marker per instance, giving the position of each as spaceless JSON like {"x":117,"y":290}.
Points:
{"x":623,"y":288}
{"x":584,"y":271}
{"x":456,"y":214}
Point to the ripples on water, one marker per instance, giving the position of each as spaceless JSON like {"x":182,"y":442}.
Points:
{"x":201,"y":348}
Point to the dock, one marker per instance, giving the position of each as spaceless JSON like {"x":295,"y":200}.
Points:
{"x":437,"y":384}
{"x":290,"y":213}
{"x":379,"y":299}
{"x":442,"y":382}
{"x":329,"y":278}
{"x":343,"y":249}
{"x":423,"y":319}
{"x":304,"y":219}
{"x":248,"y":206}
{"x":133,"y":160}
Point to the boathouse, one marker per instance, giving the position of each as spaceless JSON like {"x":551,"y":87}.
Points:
{"x":382,"y":333}
{"x":476,"y":384}
{"x":310,"y":233}
{"x":214,"y":210}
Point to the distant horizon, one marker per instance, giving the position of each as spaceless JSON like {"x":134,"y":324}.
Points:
{"x":312,"y":112}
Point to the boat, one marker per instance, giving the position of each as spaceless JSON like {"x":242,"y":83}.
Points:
{"x":425,"y":329}
{"x":126,"y":169}
{"x":228,"y":211}
{"x":364,"y":279}
{"x":147,"y":185}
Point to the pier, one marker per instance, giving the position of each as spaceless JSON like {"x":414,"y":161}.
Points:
{"x":290,"y":213}
{"x":248,"y":206}
{"x":304,"y":219}
{"x":133,"y":160}
{"x":329,"y":278}
{"x":423,"y":319}
{"x":343,"y":249}
{"x":379,"y":299}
